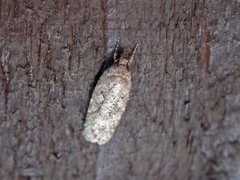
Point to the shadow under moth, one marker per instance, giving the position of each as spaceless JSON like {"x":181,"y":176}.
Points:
{"x":109,"y":99}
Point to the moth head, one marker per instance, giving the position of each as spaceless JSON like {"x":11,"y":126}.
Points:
{"x":127,"y":60}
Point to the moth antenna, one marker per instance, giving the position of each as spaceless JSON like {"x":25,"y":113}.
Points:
{"x":133,"y":54}
{"x":116,"y":51}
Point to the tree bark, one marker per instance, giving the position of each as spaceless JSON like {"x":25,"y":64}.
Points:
{"x":182,"y":120}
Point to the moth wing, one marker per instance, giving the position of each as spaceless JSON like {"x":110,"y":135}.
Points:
{"x":100,"y":125}
{"x":104,"y":85}
{"x":116,"y":98}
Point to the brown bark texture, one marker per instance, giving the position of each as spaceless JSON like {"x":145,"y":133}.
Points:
{"x":182,"y":120}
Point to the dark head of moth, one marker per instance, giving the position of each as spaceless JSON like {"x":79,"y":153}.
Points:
{"x":109,"y":99}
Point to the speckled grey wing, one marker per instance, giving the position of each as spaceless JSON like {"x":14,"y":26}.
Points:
{"x":102,"y":88}
{"x":107,"y":105}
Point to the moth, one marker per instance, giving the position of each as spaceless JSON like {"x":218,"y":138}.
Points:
{"x":109,"y":100}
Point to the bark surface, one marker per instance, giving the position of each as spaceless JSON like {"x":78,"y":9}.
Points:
{"x":182,"y":120}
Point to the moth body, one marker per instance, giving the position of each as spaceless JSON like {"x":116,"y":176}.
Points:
{"x":108,"y":102}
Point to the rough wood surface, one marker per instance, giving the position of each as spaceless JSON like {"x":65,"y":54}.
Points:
{"x":182,"y":120}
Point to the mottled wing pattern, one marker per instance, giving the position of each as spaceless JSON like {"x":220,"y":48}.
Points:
{"x":107,"y":105}
{"x":99,"y":94}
